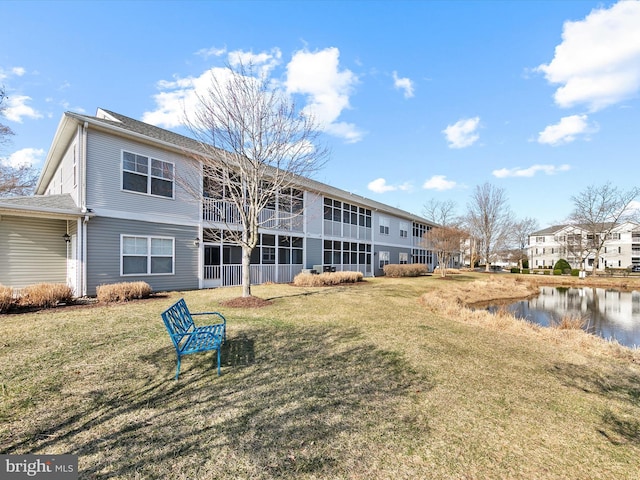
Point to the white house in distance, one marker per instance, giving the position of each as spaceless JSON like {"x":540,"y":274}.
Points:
{"x":620,"y":250}
{"x":108,"y":209}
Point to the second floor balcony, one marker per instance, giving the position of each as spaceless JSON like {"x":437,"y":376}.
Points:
{"x":224,"y":212}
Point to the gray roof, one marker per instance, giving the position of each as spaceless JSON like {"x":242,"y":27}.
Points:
{"x":120,"y":121}
{"x":549,"y":230}
{"x":115,"y":122}
{"x":54,"y":206}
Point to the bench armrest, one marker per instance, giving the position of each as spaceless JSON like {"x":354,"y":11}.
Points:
{"x":211,"y":313}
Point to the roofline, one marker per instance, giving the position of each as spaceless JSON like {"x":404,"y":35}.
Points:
{"x":53,"y":213}
{"x":71,"y":119}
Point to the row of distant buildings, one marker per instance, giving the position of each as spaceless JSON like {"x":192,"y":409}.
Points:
{"x":621,"y":247}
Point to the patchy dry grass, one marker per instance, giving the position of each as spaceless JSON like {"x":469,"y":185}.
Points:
{"x":349,"y":382}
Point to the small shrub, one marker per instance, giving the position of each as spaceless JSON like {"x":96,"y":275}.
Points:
{"x":525,"y":270}
{"x":405,"y":270}
{"x":575,"y":272}
{"x":46,"y":295}
{"x":515,"y":270}
{"x":326,"y":279}
{"x":562,"y":265}
{"x":557,"y":271}
{"x":6,"y":298}
{"x":123,"y":292}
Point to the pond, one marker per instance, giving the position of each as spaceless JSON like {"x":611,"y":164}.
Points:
{"x":611,"y":314}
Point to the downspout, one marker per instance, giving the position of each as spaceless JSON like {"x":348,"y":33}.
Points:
{"x":83,"y":206}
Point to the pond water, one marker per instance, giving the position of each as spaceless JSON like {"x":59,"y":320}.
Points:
{"x":611,"y":314}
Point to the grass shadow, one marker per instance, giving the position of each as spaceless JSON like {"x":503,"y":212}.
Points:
{"x":620,"y":385}
{"x":289,"y":403}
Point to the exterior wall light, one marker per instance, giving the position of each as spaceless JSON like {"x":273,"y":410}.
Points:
{"x":196,"y":242}
{"x":67,"y":238}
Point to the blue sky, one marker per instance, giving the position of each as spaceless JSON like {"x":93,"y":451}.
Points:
{"x":418,"y":100}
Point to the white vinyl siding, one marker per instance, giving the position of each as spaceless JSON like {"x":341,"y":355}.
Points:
{"x":105,"y":195}
{"x":33,"y":251}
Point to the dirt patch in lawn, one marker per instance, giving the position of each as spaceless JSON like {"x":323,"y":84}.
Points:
{"x":246,"y":302}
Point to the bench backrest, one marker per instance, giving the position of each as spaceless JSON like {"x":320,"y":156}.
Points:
{"x":178,"y":321}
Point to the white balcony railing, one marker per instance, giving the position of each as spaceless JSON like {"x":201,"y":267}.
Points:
{"x":231,"y":275}
{"x":220,"y":211}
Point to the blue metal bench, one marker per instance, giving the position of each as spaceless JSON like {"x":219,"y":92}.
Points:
{"x":187,"y":337}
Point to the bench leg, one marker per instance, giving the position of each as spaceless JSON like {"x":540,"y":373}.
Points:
{"x":219,"y":360}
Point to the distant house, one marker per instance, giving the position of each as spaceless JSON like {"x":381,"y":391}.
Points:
{"x":108,"y":209}
{"x":620,"y":250}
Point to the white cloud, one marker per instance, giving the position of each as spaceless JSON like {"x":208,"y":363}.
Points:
{"x":211,"y":52}
{"x":566,"y":130}
{"x":180,"y":95}
{"x":439,"y":182}
{"x":315,"y":75}
{"x":405,"y":84}
{"x":531,"y":171}
{"x":379,"y":185}
{"x":17,"y":109}
{"x":634,"y":206}
{"x":598,"y":62}
{"x":26,"y":156}
{"x":265,"y":62}
{"x":14,"y":71}
{"x":463,"y":133}
{"x":327,"y":88}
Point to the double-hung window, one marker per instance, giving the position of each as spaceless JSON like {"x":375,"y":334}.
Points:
{"x":147,"y":255}
{"x":384,"y":225}
{"x":384,"y":259}
{"x":147,"y":175}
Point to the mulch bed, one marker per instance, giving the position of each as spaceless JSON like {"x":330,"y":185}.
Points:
{"x":246,"y":302}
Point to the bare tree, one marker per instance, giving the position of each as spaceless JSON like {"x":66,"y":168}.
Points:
{"x":5,"y":131}
{"x":19,"y":180}
{"x":522,"y":229}
{"x":257,"y":149}
{"x":445,"y":242}
{"x":440,"y":212}
{"x":490,"y":219}
{"x":597,"y":212}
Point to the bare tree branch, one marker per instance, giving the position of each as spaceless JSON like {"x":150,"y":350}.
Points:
{"x":445,"y":242}
{"x":5,"y":131}
{"x":490,"y":219}
{"x":598,"y":211}
{"x":441,"y":212}
{"x":257,"y":148}
{"x":522,"y":230}
{"x":17,"y":181}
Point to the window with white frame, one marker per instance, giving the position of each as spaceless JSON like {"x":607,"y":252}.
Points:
{"x":384,"y":259}
{"x":404,"y":258}
{"x":384,"y":225}
{"x":147,"y":175}
{"x":404,"y":230}
{"x":147,"y":255}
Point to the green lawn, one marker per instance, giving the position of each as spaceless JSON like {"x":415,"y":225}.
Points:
{"x":355,"y":382}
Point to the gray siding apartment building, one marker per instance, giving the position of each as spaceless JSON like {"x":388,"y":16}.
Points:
{"x":108,"y":209}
